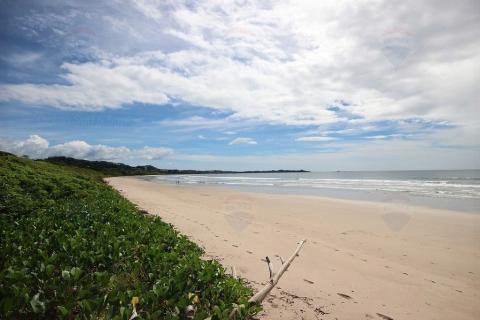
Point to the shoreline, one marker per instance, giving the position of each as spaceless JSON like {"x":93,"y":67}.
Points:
{"x":361,"y":259}
{"x":464,"y":205}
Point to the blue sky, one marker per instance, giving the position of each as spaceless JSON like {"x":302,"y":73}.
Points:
{"x":243,"y":84}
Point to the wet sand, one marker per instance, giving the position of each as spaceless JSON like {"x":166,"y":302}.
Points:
{"x":362,"y":260}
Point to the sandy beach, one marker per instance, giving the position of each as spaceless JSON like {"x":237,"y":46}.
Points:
{"x":362,"y":260}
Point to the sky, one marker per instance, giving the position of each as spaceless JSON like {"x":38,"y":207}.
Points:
{"x":243,"y":85}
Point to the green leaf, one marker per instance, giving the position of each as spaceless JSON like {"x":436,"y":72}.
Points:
{"x":66,"y":275}
{"x":122,"y":311}
{"x":49,"y":269}
{"x":37,"y":305}
{"x":75,"y":272}
{"x":63,"y":311}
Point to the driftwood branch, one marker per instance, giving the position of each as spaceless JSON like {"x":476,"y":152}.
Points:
{"x":270,"y":268}
{"x":259,"y":296}
{"x":274,"y":278}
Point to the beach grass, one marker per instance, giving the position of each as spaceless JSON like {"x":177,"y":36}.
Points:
{"x":72,"y":247}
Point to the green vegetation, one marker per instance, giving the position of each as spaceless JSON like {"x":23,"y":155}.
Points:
{"x":72,"y":247}
{"x":111,"y":169}
{"x":106,"y":168}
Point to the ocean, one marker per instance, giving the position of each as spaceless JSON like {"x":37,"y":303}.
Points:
{"x":445,"y":189}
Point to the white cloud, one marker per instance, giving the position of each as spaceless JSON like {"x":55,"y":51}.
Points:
{"x":286,"y":62}
{"x":197,"y":123}
{"x":396,"y":154}
{"x":22,"y":59}
{"x":151,"y":153}
{"x":34,"y":146}
{"x":387,"y":136}
{"x":242,"y":141}
{"x":378,"y":137}
{"x":316,"y":139}
{"x":91,"y":87}
{"x":38,"y":148}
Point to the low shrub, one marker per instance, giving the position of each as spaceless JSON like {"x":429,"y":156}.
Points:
{"x":72,"y":247}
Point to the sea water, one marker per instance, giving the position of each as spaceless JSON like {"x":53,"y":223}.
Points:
{"x":446,"y":189}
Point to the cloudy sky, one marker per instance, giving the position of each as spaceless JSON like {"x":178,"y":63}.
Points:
{"x":319,"y":85}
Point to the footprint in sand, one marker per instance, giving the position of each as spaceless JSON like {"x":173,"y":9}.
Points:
{"x":405,"y":273}
{"x":249,"y":252}
{"x":345,"y":296}
{"x":308,"y":281}
{"x":384,"y":316}
{"x":234,"y":245}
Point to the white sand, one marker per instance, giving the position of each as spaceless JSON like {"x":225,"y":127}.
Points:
{"x":399,"y":262}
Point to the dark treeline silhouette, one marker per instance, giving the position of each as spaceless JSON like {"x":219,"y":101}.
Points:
{"x":121,"y":169}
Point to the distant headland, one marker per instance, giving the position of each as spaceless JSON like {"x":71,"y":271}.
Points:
{"x":121,"y":169}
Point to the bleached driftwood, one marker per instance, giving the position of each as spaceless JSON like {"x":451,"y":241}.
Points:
{"x":274,"y":278}
{"x":234,"y":272}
